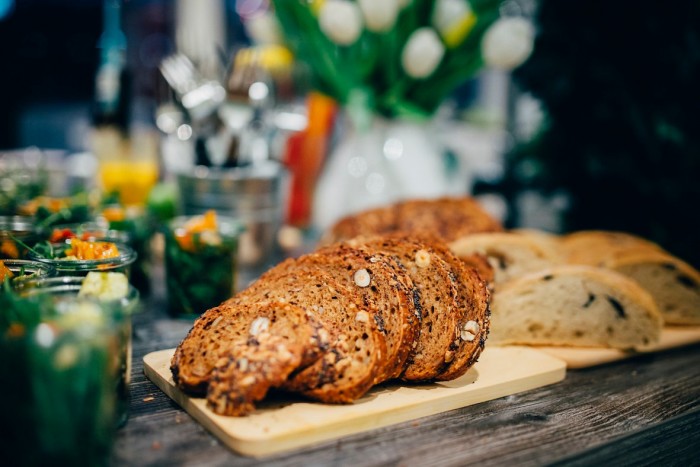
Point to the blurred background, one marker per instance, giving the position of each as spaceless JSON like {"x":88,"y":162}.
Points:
{"x":596,"y":129}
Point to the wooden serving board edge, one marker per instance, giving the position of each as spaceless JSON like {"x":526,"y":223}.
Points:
{"x":578,"y":357}
{"x":548,"y":370}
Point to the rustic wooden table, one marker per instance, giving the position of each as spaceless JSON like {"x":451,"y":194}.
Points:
{"x":635,"y":412}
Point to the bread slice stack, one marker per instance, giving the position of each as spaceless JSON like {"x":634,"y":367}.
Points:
{"x":331,"y":324}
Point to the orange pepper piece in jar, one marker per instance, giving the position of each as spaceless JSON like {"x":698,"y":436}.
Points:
{"x":5,"y":272}
{"x":83,"y":250}
{"x":207,"y":222}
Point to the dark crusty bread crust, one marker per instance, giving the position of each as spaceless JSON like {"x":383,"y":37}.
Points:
{"x":357,"y":347}
{"x":438,"y":297}
{"x":217,"y":332}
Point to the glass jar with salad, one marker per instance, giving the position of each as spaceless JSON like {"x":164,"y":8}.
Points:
{"x":14,"y":232}
{"x":77,"y":257}
{"x":64,"y":371}
{"x":200,"y":262}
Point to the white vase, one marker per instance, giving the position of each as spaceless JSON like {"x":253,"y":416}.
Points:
{"x":393,"y":159}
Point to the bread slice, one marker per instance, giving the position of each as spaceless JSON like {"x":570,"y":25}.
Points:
{"x":473,"y":316}
{"x":511,"y":255}
{"x":576,"y":306}
{"x":356,"y":349}
{"x":674,"y":284}
{"x":437,"y":287}
{"x":218,"y":331}
{"x":244,"y":375}
{"x":381,"y":284}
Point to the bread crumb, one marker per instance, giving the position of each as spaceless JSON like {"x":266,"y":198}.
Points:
{"x":148,"y":399}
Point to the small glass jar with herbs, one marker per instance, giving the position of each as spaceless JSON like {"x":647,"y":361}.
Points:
{"x":200,"y":262}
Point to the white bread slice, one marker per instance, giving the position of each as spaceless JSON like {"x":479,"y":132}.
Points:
{"x":576,"y":306}
{"x":510,"y":254}
{"x":674,"y":284}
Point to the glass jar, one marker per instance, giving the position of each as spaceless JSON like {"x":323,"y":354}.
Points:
{"x":15,"y":231}
{"x":65,"y":371}
{"x":72,"y":267}
{"x":24,"y":269}
{"x":201,"y":274}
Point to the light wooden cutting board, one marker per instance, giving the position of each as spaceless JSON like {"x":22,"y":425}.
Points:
{"x":284,"y":425}
{"x":671,"y":337}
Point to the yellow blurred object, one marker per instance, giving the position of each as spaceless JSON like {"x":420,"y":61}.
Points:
{"x":114,"y":213}
{"x":456,"y":34}
{"x":83,"y":250}
{"x":127,"y":166}
{"x":132,"y":179}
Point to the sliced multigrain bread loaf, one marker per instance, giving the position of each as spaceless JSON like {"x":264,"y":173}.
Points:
{"x":576,"y":306}
{"x":219,"y":330}
{"x":357,"y":347}
{"x":381,"y":284}
{"x":674,"y":284}
{"x":511,"y":255}
{"x":473,"y":311}
{"x":438,"y":298}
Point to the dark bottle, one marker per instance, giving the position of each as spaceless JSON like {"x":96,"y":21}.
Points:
{"x":112,"y":80}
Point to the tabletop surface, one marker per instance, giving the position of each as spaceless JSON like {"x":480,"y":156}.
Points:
{"x":638,"y":411}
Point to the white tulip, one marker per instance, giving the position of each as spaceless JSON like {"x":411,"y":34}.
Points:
{"x":508,"y":42}
{"x":341,"y":21}
{"x":422,"y":53}
{"x":453,"y":19}
{"x":380,"y":15}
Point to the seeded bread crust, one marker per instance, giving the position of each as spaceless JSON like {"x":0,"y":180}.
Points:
{"x":438,"y":297}
{"x":220,"y":329}
{"x":575,"y":305}
{"x":372,"y":221}
{"x":356,"y":349}
{"x":448,"y":218}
